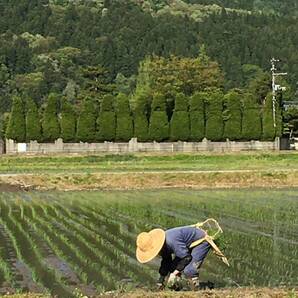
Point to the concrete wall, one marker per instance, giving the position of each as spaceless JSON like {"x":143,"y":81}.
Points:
{"x":135,"y":146}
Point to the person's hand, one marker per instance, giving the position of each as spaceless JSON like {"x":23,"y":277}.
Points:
{"x":173,"y":279}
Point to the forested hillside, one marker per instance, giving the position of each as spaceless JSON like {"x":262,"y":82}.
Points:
{"x":78,"y":48}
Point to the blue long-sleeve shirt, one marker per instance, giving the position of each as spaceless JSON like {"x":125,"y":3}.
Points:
{"x":177,"y":243}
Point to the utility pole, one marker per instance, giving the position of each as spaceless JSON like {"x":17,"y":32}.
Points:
{"x":275,"y":87}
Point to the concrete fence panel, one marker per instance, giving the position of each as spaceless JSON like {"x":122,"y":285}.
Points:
{"x":134,"y":146}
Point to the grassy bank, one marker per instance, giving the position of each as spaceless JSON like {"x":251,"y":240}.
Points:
{"x":148,"y":162}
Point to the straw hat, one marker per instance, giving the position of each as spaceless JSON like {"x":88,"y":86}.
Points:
{"x":149,"y":245}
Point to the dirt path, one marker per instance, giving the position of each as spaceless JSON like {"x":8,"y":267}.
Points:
{"x":149,"y":180}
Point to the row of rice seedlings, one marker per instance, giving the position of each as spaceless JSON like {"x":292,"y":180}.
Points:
{"x":99,"y":222}
{"x":106,"y":256}
{"x":28,"y":252}
{"x":95,"y":225}
{"x":6,"y":267}
{"x":88,"y":272}
{"x":38,"y":272}
{"x":90,"y":236}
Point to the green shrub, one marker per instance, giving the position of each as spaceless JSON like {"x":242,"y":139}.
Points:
{"x":124,"y":121}
{"x":50,"y":123}
{"x":232,"y":115}
{"x":16,"y":128}
{"x":214,"y":115}
{"x":106,"y":121}
{"x":268,"y":131}
{"x":141,"y":113}
{"x":33,"y":125}
{"x":180,"y":124}
{"x":197,"y":116}
{"x":251,"y":120}
{"x":68,"y":121}
{"x":87,"y":121}
{"x":159,"y":125}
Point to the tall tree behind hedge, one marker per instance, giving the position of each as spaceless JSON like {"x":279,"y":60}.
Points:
{"x":16,"y":128}
{"x":68,"y":121}
{"x":232,"y":115}
{"x":214,"y":115}
{"x":251,"y":121}
{"x":33,"y":125}
{"x":180,"y":124}
{"x":50,"y":122}
{"x":106,"y":121}
{"x":86,"y":129}
{"x":141,"y":116}
{"x":159,"y":125}
{"x":279,"y":119}
{"x":268,"y":129}
{"x":197,"y":116}
{"x":124,"y":121}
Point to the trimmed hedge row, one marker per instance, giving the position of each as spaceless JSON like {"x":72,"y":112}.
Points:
{"x":209,"y":114}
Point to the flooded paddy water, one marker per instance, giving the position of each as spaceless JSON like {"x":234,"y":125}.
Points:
{"x":65,"y":243}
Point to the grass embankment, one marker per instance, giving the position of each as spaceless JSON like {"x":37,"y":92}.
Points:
{"x":144,"y":171}
{"x":148,"y":162}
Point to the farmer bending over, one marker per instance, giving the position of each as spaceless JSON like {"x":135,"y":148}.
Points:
{"x":182,"y":249}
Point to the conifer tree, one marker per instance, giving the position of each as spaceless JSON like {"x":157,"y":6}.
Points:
{"x":106,"y":121}
{"x":214,"y":116}
{"x":141,"y":115}
{"x":33,"y":125}
{"x":68,"y":121}
{"x":50,"y":123}
{"x":159,"y":125}
{"x":16,"y":128}
{"x":86,"y":130}
{"x":124,"y":121}
{"x":232,"y":115}
{"x":268,"y":129}
{"x":197,"y":116}
{"x":180,"y":124}
{"x":251,"y":120}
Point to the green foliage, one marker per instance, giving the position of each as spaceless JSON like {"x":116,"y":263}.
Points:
{"x":214,"y":115}
{"x":159,"y":125}
{"x":178,"y":75}
{"x":141,"y":113}
{"x":180,"y":123}
{"x":16,"y":128}
{"x":68,"y":121}
{"x":106,"y":121}
{"x":50,"y":123}
{"x":233,"y":115}
{"x":124,"y":120}
{"x":33,"y":125}
{"x":251,"y":121}
{"x":197,"y":116}
{"x":86,"y":128}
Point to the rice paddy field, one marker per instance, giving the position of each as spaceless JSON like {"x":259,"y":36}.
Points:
{"x":73,"y":243}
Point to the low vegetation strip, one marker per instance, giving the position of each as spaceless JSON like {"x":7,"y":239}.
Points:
{"x":150,"y":180}
{"x":148,"y":162}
